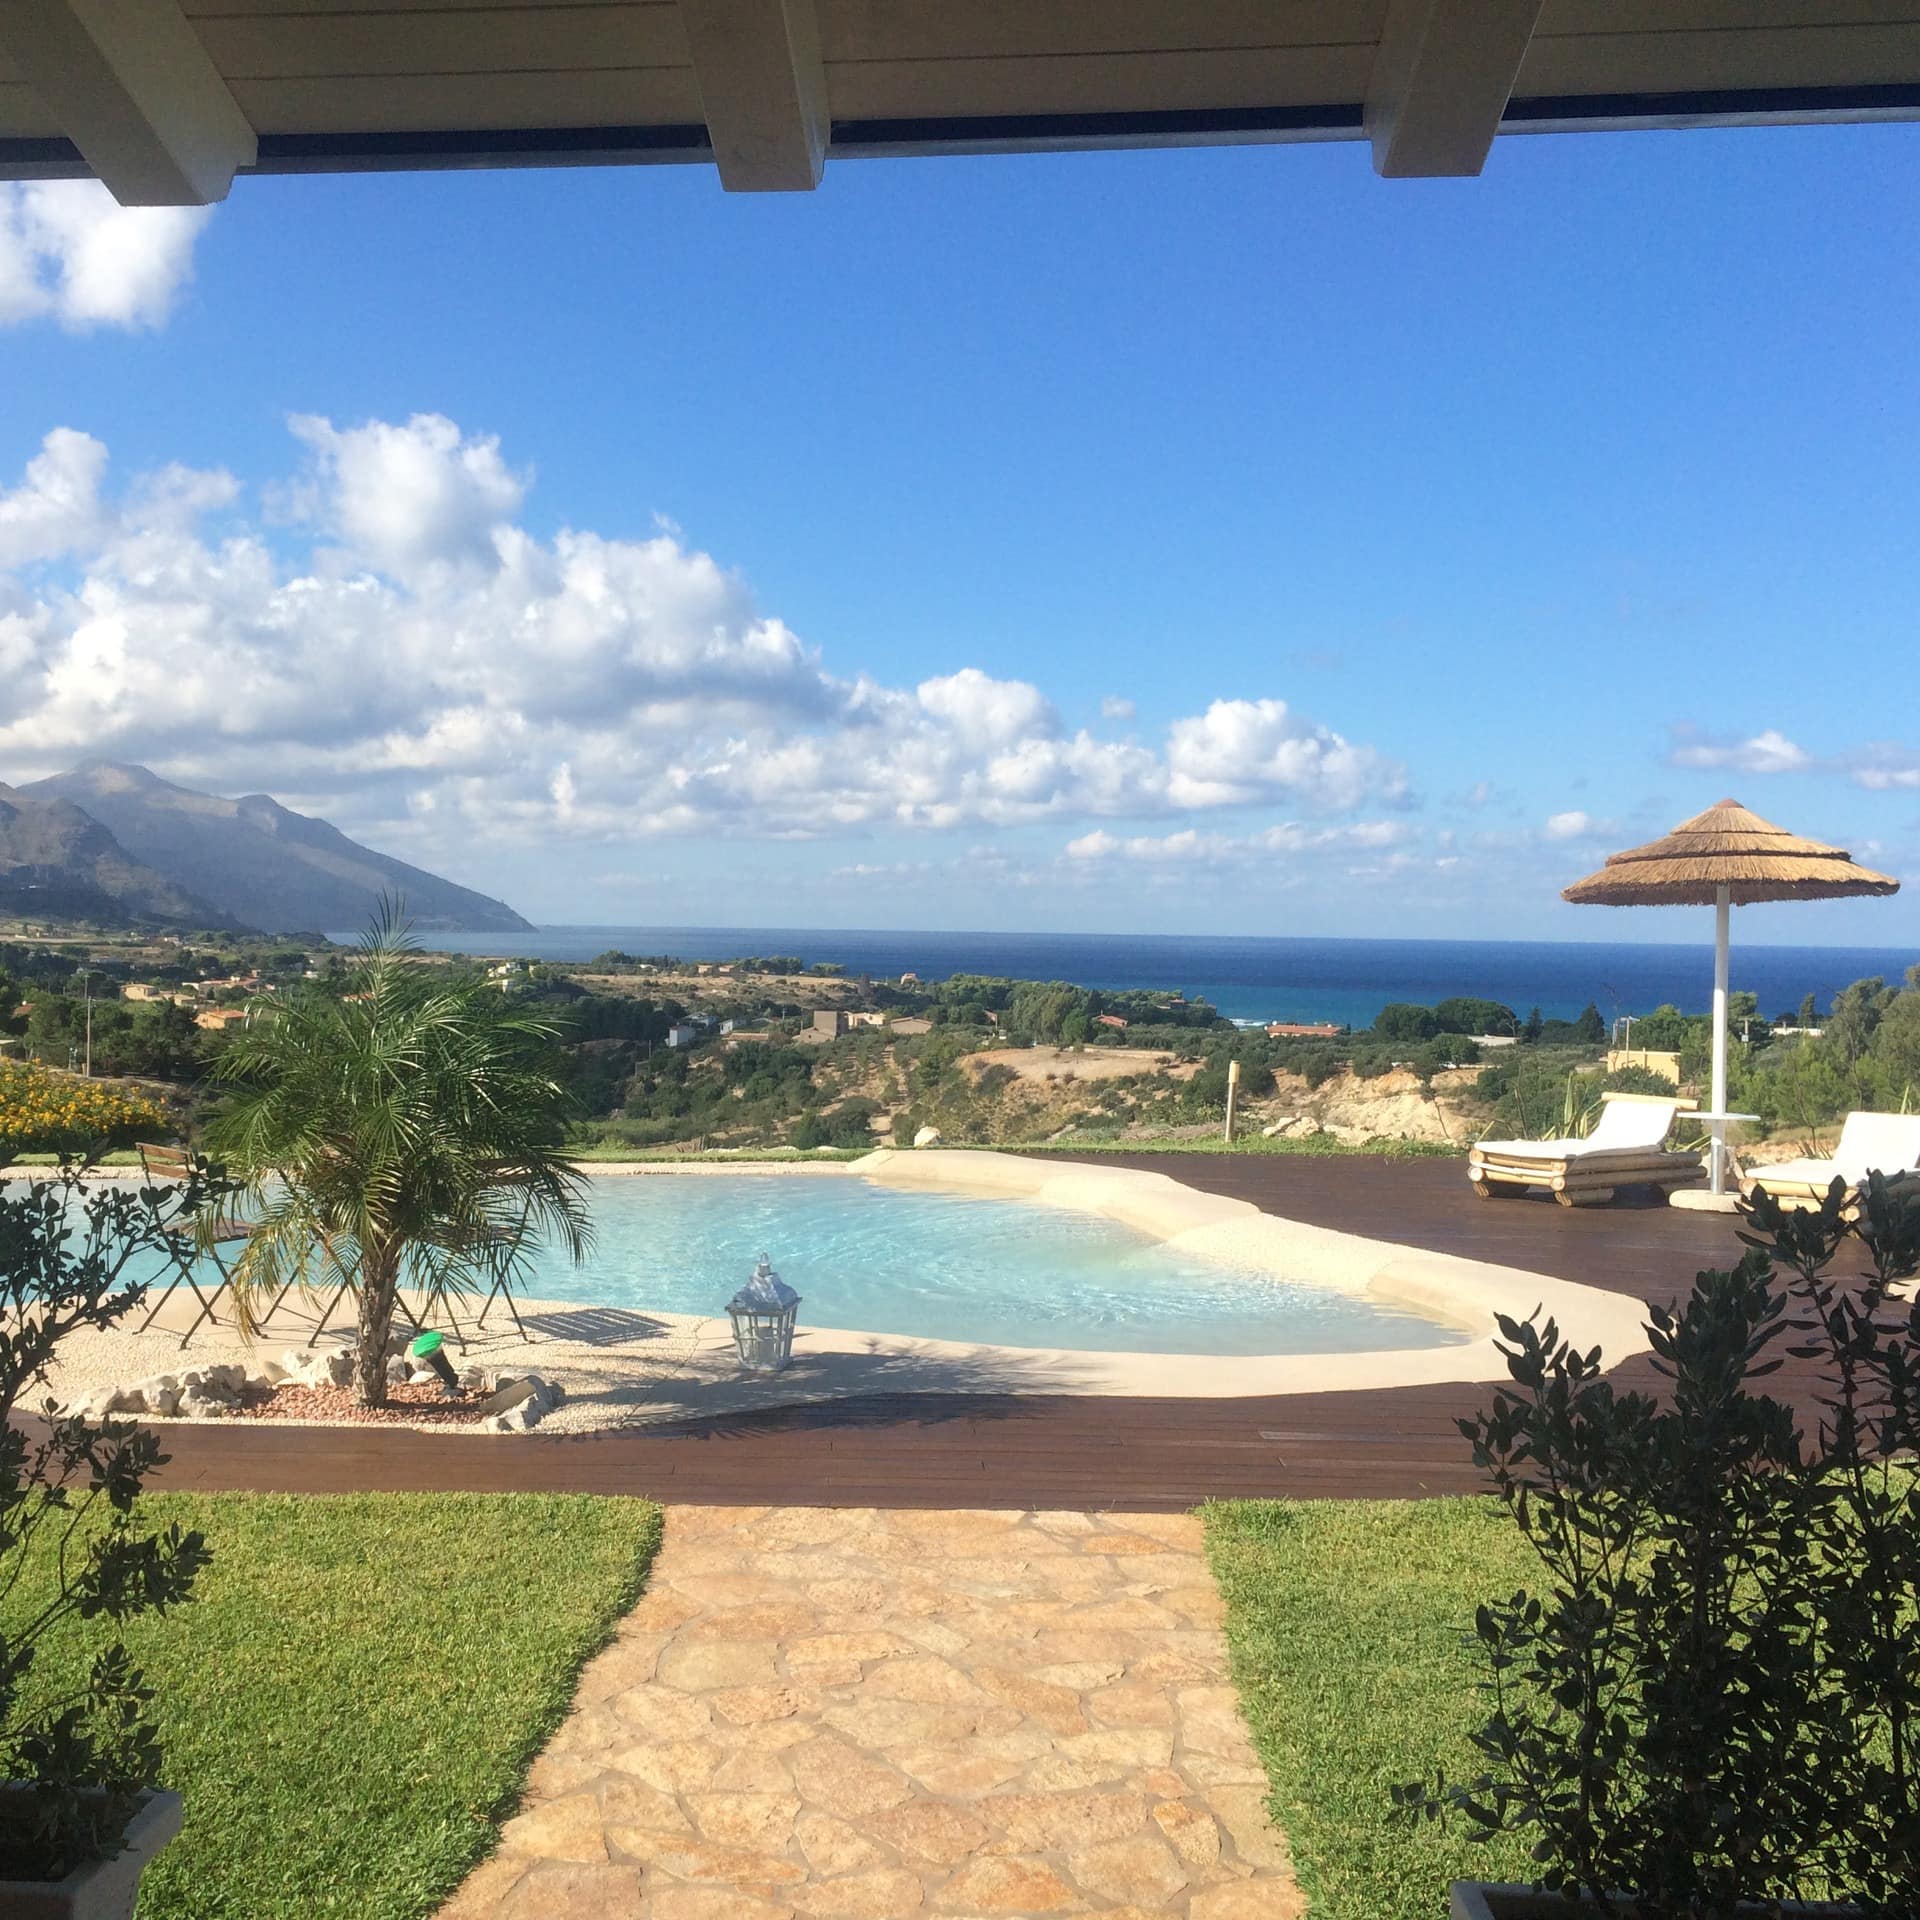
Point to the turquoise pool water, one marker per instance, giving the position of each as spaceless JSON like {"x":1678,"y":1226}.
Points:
{"x":946,"y":1267}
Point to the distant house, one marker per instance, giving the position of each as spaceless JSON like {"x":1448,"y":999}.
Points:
{"x":1302,"y":1030}
{"x":909,"y":979}
{"x":830,"y":1022}
{"x":866,"y":1019}
{"x":682,"y":1033}
{"x":1112,"y":1020}
{"x":912,"y":1024}
{"x":145,"y":990}
{"x":218,"y":1019}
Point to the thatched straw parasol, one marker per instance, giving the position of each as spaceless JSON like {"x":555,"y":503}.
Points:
{"x":1725,"y":858}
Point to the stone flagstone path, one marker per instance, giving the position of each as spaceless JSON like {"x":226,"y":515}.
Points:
{"x":853,"y":1715}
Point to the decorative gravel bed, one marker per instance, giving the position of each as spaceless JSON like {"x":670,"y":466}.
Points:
{"x":407,"y":1405}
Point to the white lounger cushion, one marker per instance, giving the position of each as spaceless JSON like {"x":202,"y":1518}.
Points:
{"x":1869,"y":1143}
{"x":1624,"y":1126}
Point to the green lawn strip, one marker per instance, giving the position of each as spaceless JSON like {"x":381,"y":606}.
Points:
{"x":352,"y":1699}
{"x":1345,"y":1621}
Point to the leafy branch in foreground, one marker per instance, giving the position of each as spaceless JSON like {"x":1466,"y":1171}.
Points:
{"x":78,"y":1761}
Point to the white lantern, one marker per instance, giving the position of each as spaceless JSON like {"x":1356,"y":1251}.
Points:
{"x":763,"y":1314}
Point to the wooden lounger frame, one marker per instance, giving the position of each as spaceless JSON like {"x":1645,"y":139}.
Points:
{"x":1586,"y":1179}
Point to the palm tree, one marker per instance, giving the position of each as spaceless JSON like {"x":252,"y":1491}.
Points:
{"x":407,"y":1133}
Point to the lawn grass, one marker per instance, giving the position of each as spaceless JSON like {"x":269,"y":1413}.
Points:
{"x":1345,"y":1621}
{"x":350,"y":1701}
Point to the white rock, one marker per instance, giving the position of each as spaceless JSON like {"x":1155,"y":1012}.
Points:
{"x":99,"y":1405}
{"x":510,"y":1393}
{"x":164,"y":1401}
{"x":398,"y":1370}
{"x":927,"y":1137}
{"x":499,"y":1424}
{"x":339,"y":1368}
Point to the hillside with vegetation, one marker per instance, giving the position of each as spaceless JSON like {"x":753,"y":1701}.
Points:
{"x":772,"y":1052}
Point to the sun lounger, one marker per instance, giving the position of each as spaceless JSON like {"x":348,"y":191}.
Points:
{"x":1627,"y":1148}
{"x":1885,"y":1143}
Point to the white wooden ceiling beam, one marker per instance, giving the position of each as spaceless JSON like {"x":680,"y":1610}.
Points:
{"x":1441,"y":81}
{"x":128,"y":82}
{"x":763,"y":88}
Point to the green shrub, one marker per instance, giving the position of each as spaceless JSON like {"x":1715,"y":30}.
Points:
{"x":1638,"y":1080}
{"x":1403,"y":1022}
{"x":1714,"y":1699}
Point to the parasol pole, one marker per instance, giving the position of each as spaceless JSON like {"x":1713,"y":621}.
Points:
{"x":1722,"y":933}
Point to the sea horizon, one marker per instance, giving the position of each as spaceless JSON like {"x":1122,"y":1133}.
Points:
{"x":1256,"y":978}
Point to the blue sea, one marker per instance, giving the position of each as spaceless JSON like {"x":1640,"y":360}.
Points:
{"x":1347,"y":981}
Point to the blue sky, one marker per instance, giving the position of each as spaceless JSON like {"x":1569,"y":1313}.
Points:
{"x":1216,"y":540}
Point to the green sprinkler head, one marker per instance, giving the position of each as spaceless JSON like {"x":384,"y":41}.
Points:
{"x":427,"y":1352}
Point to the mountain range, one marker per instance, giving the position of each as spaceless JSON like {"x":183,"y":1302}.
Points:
{"x":116,"y":844}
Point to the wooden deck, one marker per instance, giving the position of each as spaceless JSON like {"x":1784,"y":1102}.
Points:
{"x":1050,"y":1451}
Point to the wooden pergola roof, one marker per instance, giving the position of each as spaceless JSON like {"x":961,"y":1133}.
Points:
{"x":165,"y":100}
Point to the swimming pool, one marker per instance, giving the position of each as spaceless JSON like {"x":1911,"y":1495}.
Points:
{"x":948,"y":1267}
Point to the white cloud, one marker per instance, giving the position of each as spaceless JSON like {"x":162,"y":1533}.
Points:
{"x":396,"y":647}
{"x":1883,"y":767}
{"x":56,"y":508}
{"x":1571,"y":825}
{"x":1116,"y":707}
{"x":1240,"y":752}
{"x":68,"y":250}
{"x":1887,"y":769}
{"x":1192,"y":847}
{"x":1768,"y":752}
{"x":403,"y":499}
